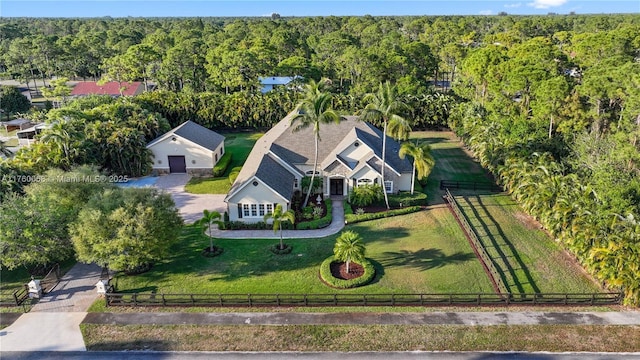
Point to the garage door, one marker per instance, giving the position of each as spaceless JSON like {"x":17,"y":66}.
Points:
{"x":177,"y":164}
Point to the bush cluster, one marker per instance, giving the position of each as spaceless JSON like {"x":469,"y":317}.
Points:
{"x":222,"y":165}
{"x":405,"y":199}
{"x":318,"y":223}
{"x":261,"y":225}
{"x":351,"y":218}
{"x":327,"y":277}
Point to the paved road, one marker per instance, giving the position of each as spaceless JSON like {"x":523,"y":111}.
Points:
{"x":152,"y":355}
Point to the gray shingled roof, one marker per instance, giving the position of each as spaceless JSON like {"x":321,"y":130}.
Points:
{"x":276,"y":176}
{"x":200,"y":135}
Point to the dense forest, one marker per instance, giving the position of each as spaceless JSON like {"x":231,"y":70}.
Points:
{"x":550,"y":105}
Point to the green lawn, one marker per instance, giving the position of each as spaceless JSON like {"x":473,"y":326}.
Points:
{"x":416,"y":253}
{"x":240,"y":145}
{"x":452,"y":162}
{"x":528,"y":260}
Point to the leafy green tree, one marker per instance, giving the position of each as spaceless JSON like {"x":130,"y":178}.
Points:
{"x":422,"y":159}
{"x":385,"y":106}
{"x":126,"y":228}
{"x":314,"y":110}
{"x":279,"y":216}
{"x":206,"y":222}
{"x":12,"y":101}
{"x":349,"y":247}
{"x":58,"y":90}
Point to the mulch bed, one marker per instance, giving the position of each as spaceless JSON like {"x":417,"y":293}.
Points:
{"x":339,"y":270}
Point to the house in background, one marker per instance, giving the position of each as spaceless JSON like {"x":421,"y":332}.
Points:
{"x":16,"y":124}
{"x":349,"y":155}
{"x":27,"y":136}
{"x":113,"y":88}
{"x":271,"y":82}
{"x":188,"y":148}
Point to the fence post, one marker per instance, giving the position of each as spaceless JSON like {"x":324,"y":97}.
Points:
{"x":220,"y":298}
{"x":306,"y":301}
{"x":593,"y":298}
{"x":249,"y":298}
{"x":364,"y":299}
{"x":278,"y":299}
{"x":106,"y":300}
{"x":135,"y":299}
{"x":164,"y":302}
{"x":479,"y":299}
{"x":335,"y":299}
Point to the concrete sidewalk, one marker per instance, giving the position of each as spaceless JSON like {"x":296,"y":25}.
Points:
{"x":337,"y":224}
{"x":432,"y":318}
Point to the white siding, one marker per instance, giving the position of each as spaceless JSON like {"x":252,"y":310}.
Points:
{"x":250,"y":194}
{"x":202,"y":157}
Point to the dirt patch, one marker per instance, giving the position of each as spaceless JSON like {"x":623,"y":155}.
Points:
{"x":529,"y":222}
{"x":339,"y":270}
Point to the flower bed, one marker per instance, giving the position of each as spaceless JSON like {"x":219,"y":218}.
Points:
{"x":369,"y":272}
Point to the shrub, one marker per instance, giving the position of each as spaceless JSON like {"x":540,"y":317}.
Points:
{"x":405,"y":199}
{"x":261,"y":225}
{"x":355,"y":218}
{"x":319,"y":223}
{"x":234,"y":174}
{"x":327,"y":277}
{"x":366,"y":195}
{"x":222,"y":165}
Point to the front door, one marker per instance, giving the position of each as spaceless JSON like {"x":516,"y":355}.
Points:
{"x":336,"y":187}
{"x":177,"y":164}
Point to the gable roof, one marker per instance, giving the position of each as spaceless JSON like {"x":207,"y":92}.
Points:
{"x":275,"y":155}
{"x":195,"y":133}
{"x":276,"y":176}
{"x":111,"y":88}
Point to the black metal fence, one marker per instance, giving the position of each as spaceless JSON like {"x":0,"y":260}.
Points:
{"x":469,"y":185}
{"x":314,"y":300}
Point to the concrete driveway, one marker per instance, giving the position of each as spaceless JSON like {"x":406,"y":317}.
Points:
{"x":190,"y":205}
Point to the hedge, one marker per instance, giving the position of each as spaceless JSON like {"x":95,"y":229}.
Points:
{"x":319,"y":223}
{"x":327,"y":277}
{"x":354,"y":218}
{"x":405,"y":199}
{"x":222,"y":164}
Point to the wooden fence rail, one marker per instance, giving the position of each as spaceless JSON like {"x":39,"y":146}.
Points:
{"x":308,"y":300}
{"x":479,"y":249}
{"x":469,"y":185}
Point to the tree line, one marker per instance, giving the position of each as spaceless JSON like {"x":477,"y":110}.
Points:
{"x":557,"y":119}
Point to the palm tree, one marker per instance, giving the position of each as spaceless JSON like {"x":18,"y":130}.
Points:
{"x":209,"y":219}
{"x":4,"y":149}
{"x":279,"y":216}
{"x":349,"y":247}
{"x":314,"y":110}
{"x":64,"y":137}
{"x":385,"y":106}
{"x":422,"y":159}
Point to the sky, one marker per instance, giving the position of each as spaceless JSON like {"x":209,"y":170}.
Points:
{"x":205,"y":8}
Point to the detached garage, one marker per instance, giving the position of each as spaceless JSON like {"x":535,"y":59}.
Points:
{"x":189,"y":148}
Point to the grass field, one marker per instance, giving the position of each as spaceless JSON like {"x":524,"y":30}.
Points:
{"x":528,"y":260}
{"x":415,"y":253}
{"x":553,"y":338}
{"x":240,"y":145}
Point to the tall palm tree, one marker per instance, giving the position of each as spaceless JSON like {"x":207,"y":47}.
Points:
{"x":314,"y":110}
{"x":64,"y":137}
{"x":385,"y":106}
{"x":349,"y":247}
{"x":279,"y":216}
{"x":422,"y":159}
{"x":207,"y":221}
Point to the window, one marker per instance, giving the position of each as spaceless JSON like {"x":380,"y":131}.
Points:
{"x":388,"y":186}
{"x":221,"y":150}
{"x":255,"y":210}
{"x":216,"y":156}
{"x":310,"y":172}
{"x":362,"y":182}
{"x":295,"y":183}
